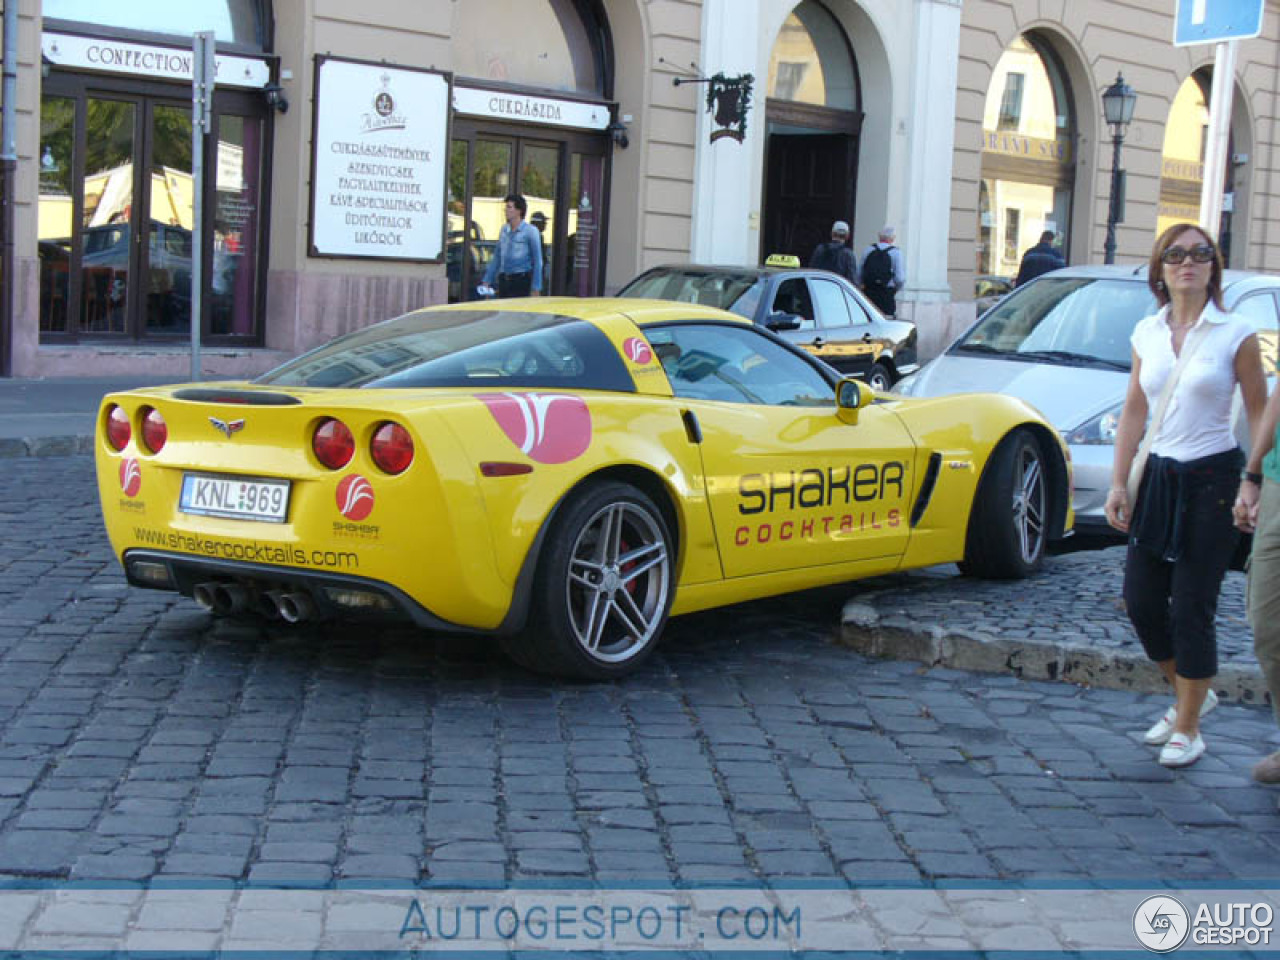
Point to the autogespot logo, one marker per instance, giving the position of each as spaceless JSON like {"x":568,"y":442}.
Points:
{"x":1161,"y":923}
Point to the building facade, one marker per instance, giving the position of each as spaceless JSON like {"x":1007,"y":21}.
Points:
{"x":357,"y":156}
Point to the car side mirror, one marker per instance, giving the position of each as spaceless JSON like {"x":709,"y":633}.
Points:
{"x":779,"y":321}
{"x":851,"y":396}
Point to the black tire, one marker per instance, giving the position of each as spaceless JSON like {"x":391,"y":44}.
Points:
{"x":879,"y":378}
{"x":1008,"y":528}
{"x":603,"y":588}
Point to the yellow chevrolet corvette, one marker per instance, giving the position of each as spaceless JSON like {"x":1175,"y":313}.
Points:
{"x":564,"y":474}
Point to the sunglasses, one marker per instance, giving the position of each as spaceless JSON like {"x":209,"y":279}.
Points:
{"x":1200,"y":253}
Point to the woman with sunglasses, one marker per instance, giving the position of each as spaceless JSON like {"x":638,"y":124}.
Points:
{"x":1181,"y":535}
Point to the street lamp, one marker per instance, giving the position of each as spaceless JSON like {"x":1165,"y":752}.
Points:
{"x":1118,"y":101}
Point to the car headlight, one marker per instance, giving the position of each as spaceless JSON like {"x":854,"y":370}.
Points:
{"x":1100,"y":430}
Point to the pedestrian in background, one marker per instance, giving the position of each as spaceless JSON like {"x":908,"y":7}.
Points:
{"x":1187,"y":361}
{"x":1257,"y":511}
{"x":836,"y":255}
{"x":881,"y":274}
{"x":517,"y":260}
{"x":1041,"y":258}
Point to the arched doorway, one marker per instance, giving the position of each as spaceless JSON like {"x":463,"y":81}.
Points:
{"x":1182,"y":161}
{"x":813,"y":113}
{"x":117,"y":196}
{"x":1028,"y":138}
{"x":531,"y":117}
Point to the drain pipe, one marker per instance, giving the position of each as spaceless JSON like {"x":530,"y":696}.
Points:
{"x":8,"y":171}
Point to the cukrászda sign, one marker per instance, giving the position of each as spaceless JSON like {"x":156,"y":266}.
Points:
{"x":380,"y":161}
{"x":519,"y":108}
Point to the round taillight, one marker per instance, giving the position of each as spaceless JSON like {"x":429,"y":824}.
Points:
{"x":333,"y":444}
{"x":118,"y":428}
{"x":155,"y":432}
{"x":392,"y":448}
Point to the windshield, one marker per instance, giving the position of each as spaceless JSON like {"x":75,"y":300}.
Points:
{"x":1079,"y":319}
{"x":463,"y":348}
{"x":738,"y":292}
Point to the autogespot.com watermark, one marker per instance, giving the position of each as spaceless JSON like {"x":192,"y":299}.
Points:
{"x":1163,"y":924}
{"x":960,"y":921}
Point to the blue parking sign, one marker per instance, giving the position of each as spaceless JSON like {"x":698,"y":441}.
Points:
{"x":1210,"y":21}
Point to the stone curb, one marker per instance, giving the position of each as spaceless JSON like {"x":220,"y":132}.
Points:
{"x":900,"y":638}
{"x":66,"y":446}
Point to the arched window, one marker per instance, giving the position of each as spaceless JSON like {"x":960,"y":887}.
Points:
{"x":558,"y":45}
{"x":241,"y":23}
{"x":1182,"y":161}
{"x":1028,"y":131}
{"x":811,"y":61}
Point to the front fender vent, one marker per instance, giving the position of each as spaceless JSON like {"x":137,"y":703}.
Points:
{"x":926,"y":487}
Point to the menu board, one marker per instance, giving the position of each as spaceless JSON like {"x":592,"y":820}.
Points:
{"x":381,"y":139}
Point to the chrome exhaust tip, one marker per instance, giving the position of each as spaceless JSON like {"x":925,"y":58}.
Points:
{"x":229,"y":598}
{"x":296,"y":607}
{"x":203,"y":594}
{"x":269,"y":604}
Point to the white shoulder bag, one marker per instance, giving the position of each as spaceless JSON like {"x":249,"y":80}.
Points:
{"x":1144,"y":449}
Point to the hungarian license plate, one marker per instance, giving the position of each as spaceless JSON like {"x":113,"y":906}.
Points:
{"x":242,"y":498}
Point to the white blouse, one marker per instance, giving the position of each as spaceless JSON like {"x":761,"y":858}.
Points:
{"x":1198,"y":420}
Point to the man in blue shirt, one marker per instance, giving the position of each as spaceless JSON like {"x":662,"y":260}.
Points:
{"x":517,"y":259}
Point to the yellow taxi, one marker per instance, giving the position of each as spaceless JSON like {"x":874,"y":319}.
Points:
{"x":564,"y":474}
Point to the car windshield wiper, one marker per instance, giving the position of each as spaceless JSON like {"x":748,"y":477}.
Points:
{"x":1070,"y":357}
{"x":981,"y":348}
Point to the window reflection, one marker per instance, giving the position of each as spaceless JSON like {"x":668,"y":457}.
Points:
{"x":1027,"y":175}
{"x":1182,"y":159}
{"x":811,"y":62}
{"x":57,"y":139}
{"x":108,"y":204}
{"x":552,"y":48}
{"x":232,"y":21}
{"x":235,"y":225}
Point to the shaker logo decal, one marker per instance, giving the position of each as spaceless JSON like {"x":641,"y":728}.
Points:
{"x":355,"y":497}
{"x":547,"y":427}
{"x":130,"y":477}
{"x":637,"y":351}
{"x":227,"y":427}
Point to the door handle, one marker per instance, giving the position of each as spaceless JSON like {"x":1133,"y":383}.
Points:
{"x":866,"y":338}
{"x":817,"y":342}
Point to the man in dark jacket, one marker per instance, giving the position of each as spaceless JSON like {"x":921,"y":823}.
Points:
{"x":836,"y":255}
{"x":1041,"y":258}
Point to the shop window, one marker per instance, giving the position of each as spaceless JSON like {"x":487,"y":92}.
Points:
{"x":811,"y":61}
{"x":238,"y":22}
{"x":1028,"y":156}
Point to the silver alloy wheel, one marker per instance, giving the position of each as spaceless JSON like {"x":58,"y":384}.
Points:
{"x":1029,"y":503}
{"x":619,"y":577}
{"x":880,"y":381}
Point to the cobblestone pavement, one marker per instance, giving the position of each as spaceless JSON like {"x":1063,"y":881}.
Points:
{"x":140,"y":738}
{"x":1066,"y":622}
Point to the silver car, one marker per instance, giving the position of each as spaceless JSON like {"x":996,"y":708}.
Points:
{"x":1061,"y":343}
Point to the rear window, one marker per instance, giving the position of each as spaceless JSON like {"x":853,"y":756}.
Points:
{"x":737,"y":292}
{"x":1081,"y":317}
{"x":463,"y":348}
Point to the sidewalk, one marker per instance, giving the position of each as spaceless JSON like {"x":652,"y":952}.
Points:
{"x":55,"y":416}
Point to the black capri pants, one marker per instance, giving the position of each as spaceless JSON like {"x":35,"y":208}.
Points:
{"x":1182,"y":543}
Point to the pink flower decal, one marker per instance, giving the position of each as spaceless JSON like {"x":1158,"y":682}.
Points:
{"x":547,"y":427}
{"x":355,"y":497}
{"x":637,"y":351}
{"x":130,"y":477}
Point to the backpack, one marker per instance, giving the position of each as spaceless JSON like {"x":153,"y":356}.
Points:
{"x":877,"y":269}
{"x":827,"y":257}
